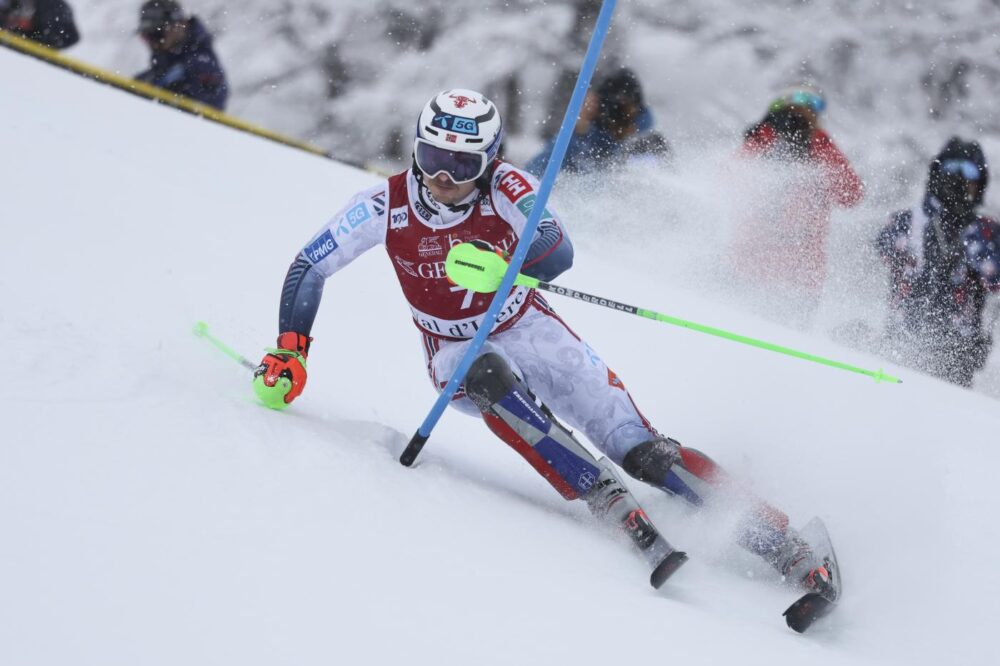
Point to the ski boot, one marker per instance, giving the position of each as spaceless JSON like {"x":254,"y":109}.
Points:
{"x":610,"y":500}
{"x":801,"y":567}
{"x":810,"y":563}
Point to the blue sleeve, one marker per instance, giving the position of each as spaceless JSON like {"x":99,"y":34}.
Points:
{"x":551,"y":253}
{"x":300,"y":297}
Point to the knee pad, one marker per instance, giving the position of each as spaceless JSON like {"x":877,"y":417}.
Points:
{"x":489,"y":379}
{"x":651,"y":461}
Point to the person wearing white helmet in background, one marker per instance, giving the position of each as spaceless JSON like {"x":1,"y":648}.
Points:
{"x":532,"y":366}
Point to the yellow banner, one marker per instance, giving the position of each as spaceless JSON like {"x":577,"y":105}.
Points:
{"x":141,"y":89}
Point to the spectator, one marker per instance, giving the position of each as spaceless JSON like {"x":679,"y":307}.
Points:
{"x":181,"y":60}
{"x":579,"y":147}
{"x":944,"y":260}
{"x":784,"y":233}
{"x":615,"y":126}
{"x":48,"y":22}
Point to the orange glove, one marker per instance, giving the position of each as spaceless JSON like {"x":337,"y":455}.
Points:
{"x":281,"y":376}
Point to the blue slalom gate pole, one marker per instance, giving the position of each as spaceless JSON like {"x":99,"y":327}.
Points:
{"x":545,"y":188}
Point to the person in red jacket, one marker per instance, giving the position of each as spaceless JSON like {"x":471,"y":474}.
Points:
{"x":782,"y":241}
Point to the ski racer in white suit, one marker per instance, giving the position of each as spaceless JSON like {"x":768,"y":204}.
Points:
{"x":532,"y":366}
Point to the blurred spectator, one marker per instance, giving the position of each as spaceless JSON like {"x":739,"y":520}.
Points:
{"x":181,"y":60}
{"x":579,"y":148}
{"x":804,"y":176}
{"x":944,"y":260}
{"x":615,"y":126}
{"x":48,"y":22}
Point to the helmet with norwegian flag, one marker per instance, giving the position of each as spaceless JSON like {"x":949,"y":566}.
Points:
{"x":458,"y":132}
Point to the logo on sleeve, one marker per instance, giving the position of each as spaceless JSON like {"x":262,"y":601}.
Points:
{"x":321,"y":248}
{"x":527,"y":204}
{"x":399,"y":218}
{"x":353,"y":218}
{"x":378,"y":202}
{"x":358,"y":215}
{"x":514,"y":186}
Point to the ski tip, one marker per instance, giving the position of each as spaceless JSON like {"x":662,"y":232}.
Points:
{"x":803,"y":613}
{"x":666,"y":568}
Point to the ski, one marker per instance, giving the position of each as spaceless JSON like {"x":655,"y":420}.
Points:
{"x":813,"y":606}
{"x":810,"y":607}
{"x":667,"y":567}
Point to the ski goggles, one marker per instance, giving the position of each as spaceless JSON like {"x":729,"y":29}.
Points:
{"x":800,"y":98}
{"x":461,"y":167}
{"x":967,"y":168}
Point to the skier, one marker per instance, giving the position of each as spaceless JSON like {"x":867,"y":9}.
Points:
{"x":944,"y":260}
{"x":532,"y":366}
{"x":182,"y":59}
{"x":782,"y":240}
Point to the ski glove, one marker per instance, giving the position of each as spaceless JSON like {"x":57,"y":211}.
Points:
{"x":281,"y":375}
{"x":490,"y":247}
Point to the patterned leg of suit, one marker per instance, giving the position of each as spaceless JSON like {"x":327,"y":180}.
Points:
{"x":511,"y":412}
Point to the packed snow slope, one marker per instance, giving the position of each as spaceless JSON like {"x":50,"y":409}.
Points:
{"x":152,"y":513}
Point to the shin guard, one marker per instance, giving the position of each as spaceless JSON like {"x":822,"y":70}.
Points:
{"x":510,"y":411}
{"x":663,"y":463}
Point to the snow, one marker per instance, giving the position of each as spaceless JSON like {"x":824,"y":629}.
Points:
{"x":151,"y":512}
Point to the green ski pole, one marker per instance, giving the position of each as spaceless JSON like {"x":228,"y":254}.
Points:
{"x":481,"y":271}
{"x":272,"y":395}
{"x":201,"y":331}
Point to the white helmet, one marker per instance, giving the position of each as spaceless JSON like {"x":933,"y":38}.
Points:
{"x":458,"y":132}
